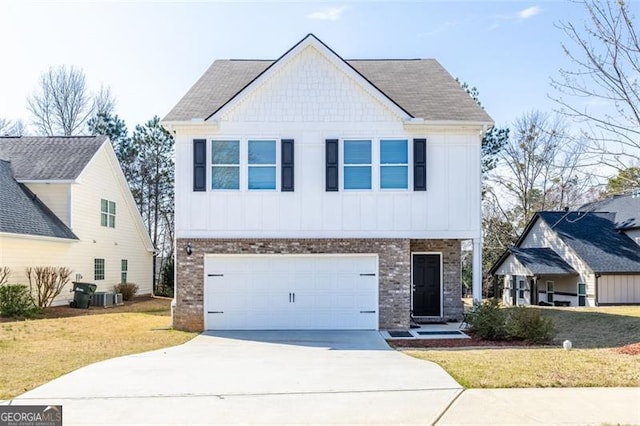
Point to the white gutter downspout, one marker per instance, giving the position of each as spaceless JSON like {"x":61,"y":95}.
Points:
{"x":477,"y":277}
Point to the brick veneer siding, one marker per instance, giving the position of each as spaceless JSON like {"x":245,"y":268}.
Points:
{"x":394,"y":271}
{"x":451,"y":273}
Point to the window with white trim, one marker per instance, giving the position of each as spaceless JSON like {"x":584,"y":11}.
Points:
{"x":98,"y":269}
{"x":225,"y":165}
{"x":550,"y":290}
{"x":107,"y":213}
{"x":124,"y":269}
{"x":394,"y":164}
{"x":357,"y":164}
{"x":521,"y":289}
{"x":582,"y":294}
{"x":261,"y":160}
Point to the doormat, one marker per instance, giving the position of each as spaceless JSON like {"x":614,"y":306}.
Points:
{"x":438,"y":333}
{"x":400,"y":334}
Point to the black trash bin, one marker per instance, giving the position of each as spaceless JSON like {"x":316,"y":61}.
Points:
{"x":82,"y":295}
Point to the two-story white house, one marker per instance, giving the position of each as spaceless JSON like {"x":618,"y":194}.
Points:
{"x":314,"y":192}
{"x":64,"y":202}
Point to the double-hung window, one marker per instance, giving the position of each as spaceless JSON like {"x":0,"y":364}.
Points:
{"x":98,"y":269}
{"x":357,"y":164}
{"x":394,"y":164}
{"x":225,"y":170}
{"x":124,"y":269}
{"x":107,"y":213}
{"x":262,"y":165}
{"x":582,"y":294}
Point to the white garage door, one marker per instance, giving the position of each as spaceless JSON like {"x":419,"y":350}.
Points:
{"x":286,"y":292}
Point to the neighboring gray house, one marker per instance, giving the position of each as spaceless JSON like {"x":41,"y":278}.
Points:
{"x":314,"y":192}
{"x":577,"y":258}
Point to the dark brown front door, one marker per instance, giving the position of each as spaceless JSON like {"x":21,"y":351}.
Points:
{"x":427,"y":287}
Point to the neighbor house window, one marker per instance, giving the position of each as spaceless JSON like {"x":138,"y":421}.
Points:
{"x":262,"y":164}
{"x":582,"y":294}
{"x":394,"y":164}
{"x":107,"y":213}
{"x":98,"y":269}
{"x":550,"y":291}
{"x":520,"y":289}
{"x":357,"y":164}
{"x":124,"y":267}
{"x":225,"y":170}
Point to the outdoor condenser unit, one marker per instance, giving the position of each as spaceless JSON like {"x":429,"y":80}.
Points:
{"x":103,"y":299}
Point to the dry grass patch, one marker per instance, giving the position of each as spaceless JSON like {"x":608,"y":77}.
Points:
{"x":529,"y":368}
{"x":34,"y":352}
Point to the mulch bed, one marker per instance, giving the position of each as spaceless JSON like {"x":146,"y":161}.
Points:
{"x":452,"y":343}
{"x":65,"y":311}
{"x":632,"y":349}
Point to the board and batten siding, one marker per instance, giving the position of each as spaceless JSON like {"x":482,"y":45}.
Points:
{"x":541,"y":235}
{"x":616,"y":289}
{"x":311,"y":100}
{"x":98,"y":181}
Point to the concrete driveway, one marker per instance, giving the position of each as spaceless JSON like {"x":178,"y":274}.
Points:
{"x":256,"y":377}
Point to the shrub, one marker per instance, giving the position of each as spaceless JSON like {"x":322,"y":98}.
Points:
{"x":128,"y":290}
{"x":487,"y":320}
{"x":529,"y":325}
{"x":15,"y":301}
{"x":48,"y":282}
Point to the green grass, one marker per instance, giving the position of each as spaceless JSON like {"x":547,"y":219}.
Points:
{"x":594,"y":332}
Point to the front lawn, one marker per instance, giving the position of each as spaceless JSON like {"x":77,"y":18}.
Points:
{"x":596,"y":333}
{"x":34,"y":352}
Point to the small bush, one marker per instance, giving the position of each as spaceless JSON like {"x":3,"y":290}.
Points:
{"x":527,"y":324}
{"x":487,"y":320}
{"x":16,"y":302}
{"x":128,"y":290}
{"x":491,"y":322}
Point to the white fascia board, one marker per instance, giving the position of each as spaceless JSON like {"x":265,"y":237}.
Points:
{"x":60,"y":181}
{"x":38,"y":237}
{"x":193,"y":127}
{"x":330,"y":55}
{"x":421,"y":125}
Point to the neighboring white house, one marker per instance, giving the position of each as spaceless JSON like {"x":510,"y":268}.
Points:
{"x":576,"y":258}
{"x":64,"y":201}
{"x":318,"y":192}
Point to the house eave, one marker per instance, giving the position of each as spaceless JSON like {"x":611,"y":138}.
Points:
{"x":194,"y":126}
{"x":38,"y":237}
{"x":50,"y":181}
{"x":421,"y":124}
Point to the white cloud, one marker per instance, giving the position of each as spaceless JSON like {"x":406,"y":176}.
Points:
{"x":331,"y":14}
{"x":529,"y":12}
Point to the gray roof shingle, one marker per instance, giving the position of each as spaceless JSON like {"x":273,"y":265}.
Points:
{"x":542,"y":261}
{"x":626,"y":208}
{"x":22,"y":213}
{"x":595,"y":239}
{"x":422,"y":87}
{"x":49,"y":158}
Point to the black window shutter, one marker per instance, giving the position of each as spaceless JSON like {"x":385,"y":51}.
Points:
{"x":419,"y":164}
{"x":286,"y":171}
{"x":331,"y":165}
{"x":199,"y":165}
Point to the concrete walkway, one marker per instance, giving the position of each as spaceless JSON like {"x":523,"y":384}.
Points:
{"x":302,"y":378}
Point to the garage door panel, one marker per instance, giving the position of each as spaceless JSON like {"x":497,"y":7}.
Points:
{"x":291,"y":292}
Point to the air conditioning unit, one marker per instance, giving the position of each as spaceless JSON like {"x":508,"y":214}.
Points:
{"x":117,"y":299}
{"x":103,"y":299}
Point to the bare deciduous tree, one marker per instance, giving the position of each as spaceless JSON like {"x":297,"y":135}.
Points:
{"x":602,"y":90}
{"x":5,"y":272}
{"x":62,"y":104}
{"x":47,"y":283}
{"x":11,"y":128}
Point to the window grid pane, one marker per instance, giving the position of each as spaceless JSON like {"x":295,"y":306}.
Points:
{"x":357,"y":152}
{"x":225,"y":177}
{"x":262,"y":165}
{"x":98,"y":269}
{"x":357,"y":177}
{"x":394,"y":177}
{"x":357,"y":164}
{"x":225,"y":152}
{"x":394,"y":152}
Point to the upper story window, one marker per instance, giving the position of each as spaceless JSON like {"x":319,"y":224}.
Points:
{"x":225,"y":170}
{"x":394,"y":164}
{"x":262,"y":165}
{"x":108,"y":213}
{"x":357,"y":164}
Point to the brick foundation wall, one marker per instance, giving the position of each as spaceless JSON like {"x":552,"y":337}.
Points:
{"x":394,"y":272}
{"x":451,"y":273}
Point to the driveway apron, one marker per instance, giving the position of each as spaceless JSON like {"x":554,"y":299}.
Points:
{"x":256,"y":377}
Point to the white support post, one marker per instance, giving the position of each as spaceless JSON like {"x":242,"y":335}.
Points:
{"x":477,"y":270}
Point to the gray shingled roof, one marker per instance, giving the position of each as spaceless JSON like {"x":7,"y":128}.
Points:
{"x":49,"y":158}
{"x":595,"y":239}
{"x":22,"y":213}
{"x":422,"y":87}
{"x":542,"y":261}
{"x":626,"y":208}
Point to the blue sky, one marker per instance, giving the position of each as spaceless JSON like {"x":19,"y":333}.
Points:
{"x":151,"y":52}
